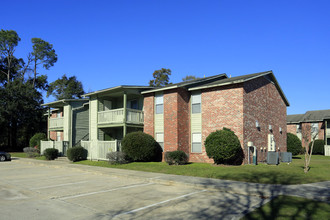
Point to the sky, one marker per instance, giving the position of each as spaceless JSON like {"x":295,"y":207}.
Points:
{"x":111,"y":43}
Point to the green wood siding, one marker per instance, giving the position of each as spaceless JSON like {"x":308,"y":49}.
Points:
{"x":80,"y":129}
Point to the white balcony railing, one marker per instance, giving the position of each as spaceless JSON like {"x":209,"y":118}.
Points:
{"x":117,"y":116}
{"x":56,"y":123}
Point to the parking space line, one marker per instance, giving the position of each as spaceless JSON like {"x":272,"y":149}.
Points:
{"x":53,"y":186}
{"x":103,"y":191}
{"x":159,"y":203}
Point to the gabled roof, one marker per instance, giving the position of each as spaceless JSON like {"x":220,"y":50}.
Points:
{"x":62,"y":102}
{"x":294,"y":119}
{"x":309,"y":116}
{"x":117,"y":88}
{"x":189,"y":84}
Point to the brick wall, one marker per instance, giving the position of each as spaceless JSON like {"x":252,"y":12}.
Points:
{"x":148,"y":109}
{"x":176,"y":120}
{"x":221,"y":107}
{"x":292,"y":128}
{"x":263,"y":103}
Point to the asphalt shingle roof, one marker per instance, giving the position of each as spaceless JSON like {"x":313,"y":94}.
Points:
{"x":309,"y":116}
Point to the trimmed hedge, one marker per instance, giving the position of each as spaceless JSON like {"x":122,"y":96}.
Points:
{"x":139,"y":146}
{"x":51,"y":153}
{"x":293,"y":144}
{"x":224,"y":147}
{"x":76,"y":153}
{"x":177,"y":157}
{"x":35,"y":140}
{"x":318,"y":147}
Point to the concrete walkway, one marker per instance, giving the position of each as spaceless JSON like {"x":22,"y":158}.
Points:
{"x":317,"y":191}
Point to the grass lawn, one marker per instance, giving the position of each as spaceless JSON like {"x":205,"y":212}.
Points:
{"x":289,"y":207}
{"x":281,"y":174}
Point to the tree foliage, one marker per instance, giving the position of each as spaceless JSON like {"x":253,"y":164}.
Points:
{"x":293,"y":144}
{"x":189,"y":78}
{"x":21,"y":114}
{"x":66,"y":88}
{"x":161,"y":77}
{"x":43,"y":54}
{"x":8,"y":41}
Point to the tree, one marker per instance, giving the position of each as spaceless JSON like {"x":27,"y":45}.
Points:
{"x":161,"y":77}
{"x":8,"y":41}
{"x":66,"y":88}
{"x":308,"y":133}
{"x":189,"y":78}
{"x":43,"y":53}
{"x":21,"y":113}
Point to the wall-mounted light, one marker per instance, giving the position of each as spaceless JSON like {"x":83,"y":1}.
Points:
{"x":250,"y":144}
{"x":280,"y":130}
{"x":270,"y":127}
{"x":257,"y":124}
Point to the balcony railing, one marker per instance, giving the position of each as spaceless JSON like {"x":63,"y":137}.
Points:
{"x":56,"y":123}
{"x":117,"y":116}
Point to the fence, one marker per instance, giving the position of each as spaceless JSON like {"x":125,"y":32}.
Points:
{"x":97,"y":150}
{"x":61,"y":146}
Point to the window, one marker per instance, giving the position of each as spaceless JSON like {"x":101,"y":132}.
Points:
{"x":159,"y":103}
{"x":298,"y":128}
{"x":58,"y":136}
{"x":328,"y":141}
{"x":133,"y":104}
{"x":160,"y":139}
{"x":196,"y":143}
{"x":196,"y":103}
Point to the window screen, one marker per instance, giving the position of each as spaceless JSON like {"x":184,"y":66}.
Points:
{"x":196,"y":103}
{"x":196,"y":143}
{"x":159,"y":101}
{"x":160,"y":139}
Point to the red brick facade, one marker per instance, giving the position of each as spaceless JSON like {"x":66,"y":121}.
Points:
{"x":236,"y":107}
{"x":53,"y":134}
{"x":292,"y":128}
{"x":263,"y":103}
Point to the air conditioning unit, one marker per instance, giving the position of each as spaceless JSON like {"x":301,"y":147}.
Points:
{"x":286,"y":157}
{"x":272,"y":158}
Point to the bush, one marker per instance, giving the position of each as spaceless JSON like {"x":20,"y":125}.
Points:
{"x":177,"y":157}
{"x":35,"y":140}
{"x":117,"y":157}
{"x":318,"y":147}
{"x":51,"y":153}
{"x":293,"y":144}
{"x":224,"y":147}
{"x":77,"y":153}
{"x":139,"y":146}
{"x":31,"y":151}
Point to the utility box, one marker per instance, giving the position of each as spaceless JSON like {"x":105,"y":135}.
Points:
{"x":272,"y":158}
{"x":286,"y":157}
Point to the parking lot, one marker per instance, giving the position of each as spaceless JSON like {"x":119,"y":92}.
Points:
{"x":30,"y":191}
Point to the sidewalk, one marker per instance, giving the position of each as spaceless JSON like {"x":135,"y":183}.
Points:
{"x":317,"y":191}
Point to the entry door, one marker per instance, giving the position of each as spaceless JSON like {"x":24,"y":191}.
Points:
{"x":271,"y":143}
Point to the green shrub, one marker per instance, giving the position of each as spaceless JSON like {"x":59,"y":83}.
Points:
{"x":224,"y":147}
{"x":51,"y":153}
{"x":293,"y":144}
{"x":117,"y":157}
{"x":177,"y":157}
{"x":31,"y":151}
{"x":139,"y":146}
{"x":35,"y":140}
{"x":76,"y":153}
{"x":318,"y":147}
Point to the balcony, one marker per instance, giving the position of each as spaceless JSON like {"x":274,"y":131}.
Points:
{"x":56,"y":123}
{"x":116,"y":116}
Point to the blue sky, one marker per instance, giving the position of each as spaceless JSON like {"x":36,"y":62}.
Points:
{"x":110,"y":43}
